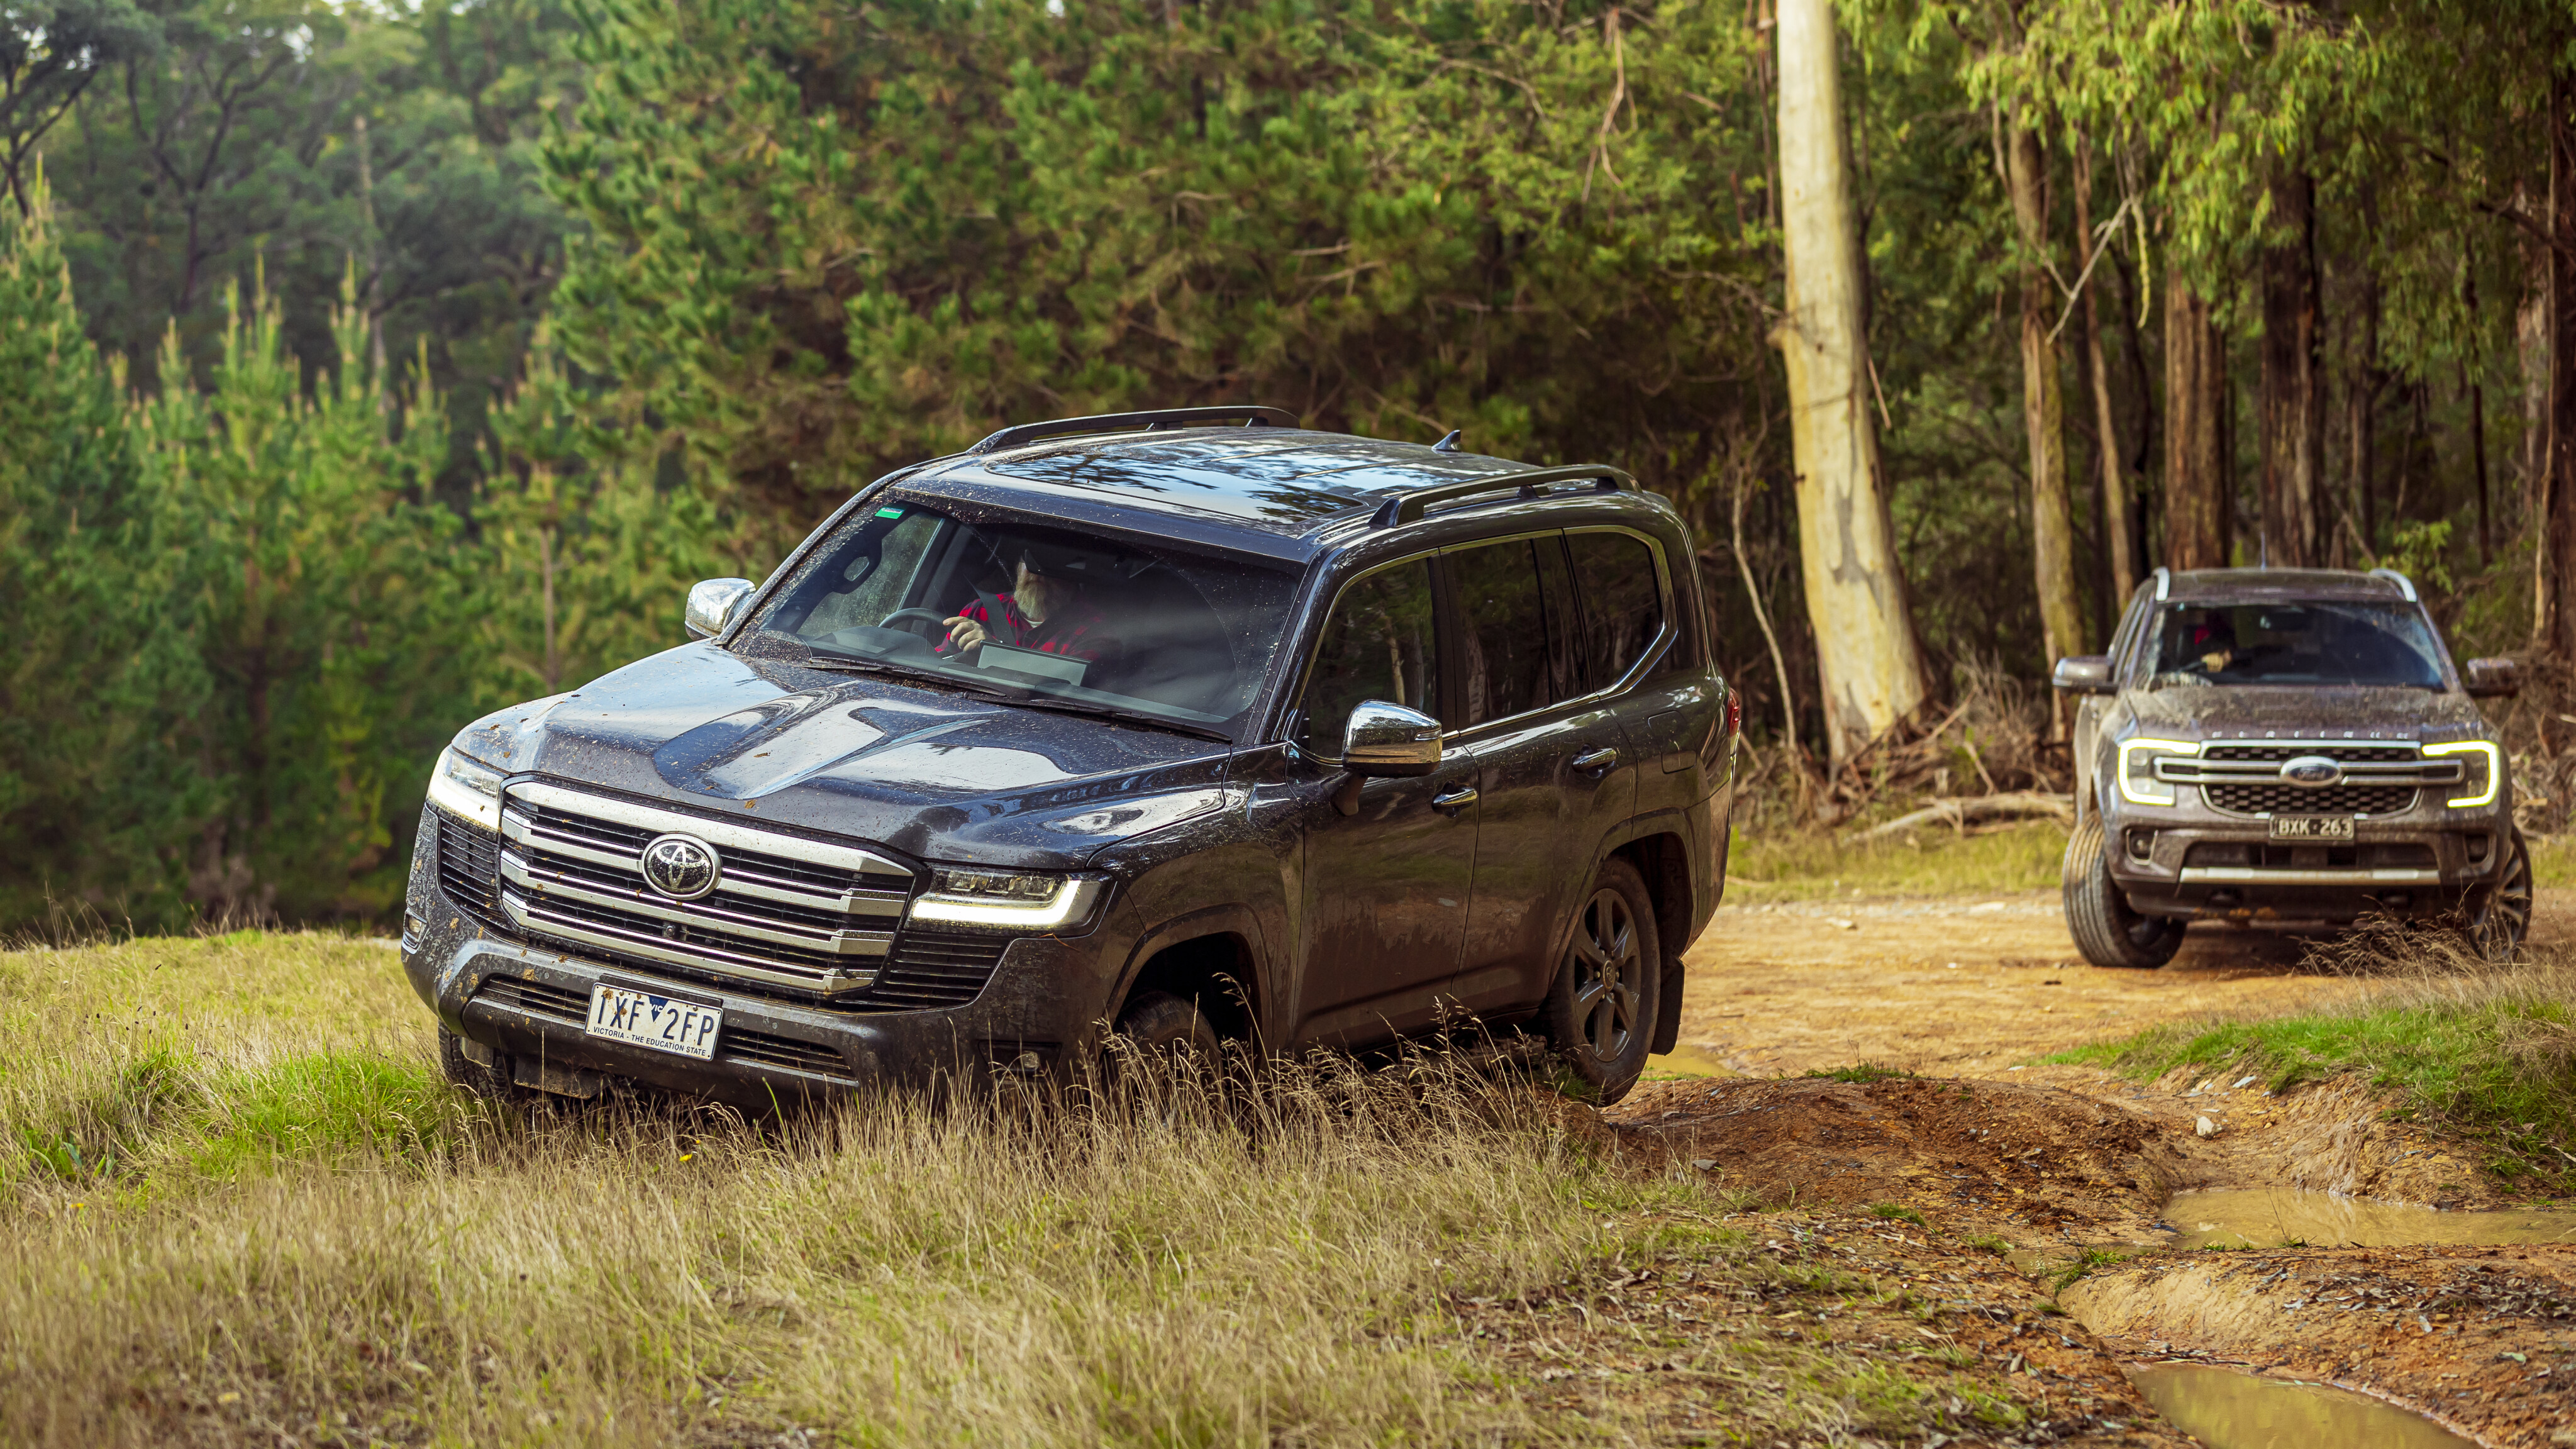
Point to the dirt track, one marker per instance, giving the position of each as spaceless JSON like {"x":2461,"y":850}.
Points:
{"x":2042,"y":1163}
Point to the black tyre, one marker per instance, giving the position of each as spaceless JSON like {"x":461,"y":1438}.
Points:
{"x":470,"y":1075}
{"x":1600,"y":1014}
{"x":1160,"y":1024}
{"x":2106,"y":930}
{"x":2499,"y":913}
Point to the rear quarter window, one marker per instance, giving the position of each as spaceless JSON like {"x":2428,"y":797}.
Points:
{"x":1624,"y":608}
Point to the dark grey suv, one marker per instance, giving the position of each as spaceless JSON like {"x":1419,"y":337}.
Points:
{"x":2290,"y":749}
{"x":1186,"y":725}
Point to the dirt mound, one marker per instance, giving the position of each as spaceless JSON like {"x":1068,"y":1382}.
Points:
{"x":2484,"y":1338}
{"x":2038,"y":1157}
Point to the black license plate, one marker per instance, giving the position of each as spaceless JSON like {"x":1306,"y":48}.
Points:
{"x":2312,"y":827}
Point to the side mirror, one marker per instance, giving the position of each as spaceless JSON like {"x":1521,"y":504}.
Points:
{"x":2490,"y":679}
{"x":1388,"y":739}
{"x":712,"y":603}
{"x":2084,"y":674}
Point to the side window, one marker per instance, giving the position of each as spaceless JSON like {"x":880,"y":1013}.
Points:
{"x":1380,"y":643}
{"x":1503,"y":608}
{"x":1623,"y":602}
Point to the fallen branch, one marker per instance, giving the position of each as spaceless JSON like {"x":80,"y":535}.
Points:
{"x":1973,"y":810}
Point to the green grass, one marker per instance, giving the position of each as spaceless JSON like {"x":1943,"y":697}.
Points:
{"x":1808,"y":865}
{"x":2489,"y":1054}
{"x":1896,"y":1213}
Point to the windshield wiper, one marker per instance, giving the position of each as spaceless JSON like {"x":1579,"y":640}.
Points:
{"x":1011,"y":694}
{"x":1014,"y":694}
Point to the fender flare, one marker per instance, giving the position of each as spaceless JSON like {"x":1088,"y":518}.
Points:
{"x":1223,"y":920}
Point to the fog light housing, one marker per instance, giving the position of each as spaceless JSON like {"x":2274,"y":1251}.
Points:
{"x":2477,"y":847}
{"x":2142,"y":844}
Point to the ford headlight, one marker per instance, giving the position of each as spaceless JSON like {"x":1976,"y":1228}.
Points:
{"x":468,"y":789}
{"x":2482,"y":765}
{"x":2138,"y":782}
{"x":1006,"y":900}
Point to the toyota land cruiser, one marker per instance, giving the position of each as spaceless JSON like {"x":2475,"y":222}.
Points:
{"x":2289,"y":749}
{"x":1185,"y":725}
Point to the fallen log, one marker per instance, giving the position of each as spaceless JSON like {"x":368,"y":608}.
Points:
{"x":1961,"y":812}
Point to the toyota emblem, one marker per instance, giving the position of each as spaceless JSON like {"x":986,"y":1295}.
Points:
{"x":2312,"y":771}
{"x":682,"y":867}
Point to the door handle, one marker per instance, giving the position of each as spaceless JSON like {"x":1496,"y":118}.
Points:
{"x":1457,"y":799}
{"x":1596,"y":762}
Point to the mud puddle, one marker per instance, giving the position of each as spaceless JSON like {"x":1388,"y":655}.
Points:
{"x":2229,"y":1409}
{"x":2295,"y":1217}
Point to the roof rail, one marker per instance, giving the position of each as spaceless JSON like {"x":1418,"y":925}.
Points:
{"x":1251,"y":417}
{"x":2164,"y":582}
{"x":2404,"y":584}
{"x":1408,"y":507}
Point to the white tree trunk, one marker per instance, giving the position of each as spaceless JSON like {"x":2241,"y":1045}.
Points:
{"x":1865,"y":649}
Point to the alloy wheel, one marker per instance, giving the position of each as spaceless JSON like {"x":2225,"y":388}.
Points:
{"x":1608,"y":973}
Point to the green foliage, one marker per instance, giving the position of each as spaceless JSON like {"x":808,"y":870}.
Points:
{"x":1896,"y":1213}
{"x":308,"y":583}
{"x":91,"y":784}
{"x":828,"y":239}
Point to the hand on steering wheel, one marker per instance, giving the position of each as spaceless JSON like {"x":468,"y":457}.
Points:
{"x":924,"y":616}
{"x":965,"y":633}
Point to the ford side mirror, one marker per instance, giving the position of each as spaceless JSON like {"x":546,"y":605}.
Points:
{"x":2084,"y":674}
{"x":1388,"y":739}
{"x":2490,"y":679}
{"x":712,"y":603}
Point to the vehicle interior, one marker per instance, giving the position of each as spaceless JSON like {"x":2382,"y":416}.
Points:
{"x":1187,"y":637}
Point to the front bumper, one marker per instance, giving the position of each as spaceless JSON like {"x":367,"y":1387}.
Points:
{"x":2190,"y":862}
{"x":525,"y":1004}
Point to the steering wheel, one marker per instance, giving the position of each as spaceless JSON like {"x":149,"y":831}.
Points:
{"x":926,"y":616}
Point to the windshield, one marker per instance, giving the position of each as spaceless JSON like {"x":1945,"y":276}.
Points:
{"x":1019,"y":606}
{"x":2353,"y":644}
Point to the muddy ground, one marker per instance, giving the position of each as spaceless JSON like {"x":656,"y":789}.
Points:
{"x":2039,"y":1190}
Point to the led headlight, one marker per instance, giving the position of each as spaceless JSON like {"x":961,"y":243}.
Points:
{"x":467,"y":789}
{"x":2138,"y":782}
{"x":1007,"y":901}
{"x":2485,"y":766}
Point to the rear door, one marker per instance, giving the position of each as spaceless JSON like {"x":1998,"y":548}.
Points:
{"x":1552,"y":766}
{"x":1387,"y":880}
{"x":1668,"y":715}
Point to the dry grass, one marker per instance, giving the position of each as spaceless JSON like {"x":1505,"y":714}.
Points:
{"x":241,"y":1207}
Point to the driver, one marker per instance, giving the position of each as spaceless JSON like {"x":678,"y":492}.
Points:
{"x":1048,"y":609}
{"x":2214,"y":636}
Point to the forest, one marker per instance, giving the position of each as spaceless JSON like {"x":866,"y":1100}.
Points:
{"x":366,"y":367}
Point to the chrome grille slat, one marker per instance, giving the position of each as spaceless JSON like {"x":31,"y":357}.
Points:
{"x":546,"y":883}
{"x":571,"y":922}
{"x":553,"y":837}
{"x":811,"y":916}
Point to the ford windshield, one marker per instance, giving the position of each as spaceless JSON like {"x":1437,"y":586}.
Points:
{"x":2382,"y":645}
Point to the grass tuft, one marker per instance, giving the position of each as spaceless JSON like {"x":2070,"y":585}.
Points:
{"x":1863,"y":1072}
{"x":1810,"y":864}
{"x":1896,"y":1212}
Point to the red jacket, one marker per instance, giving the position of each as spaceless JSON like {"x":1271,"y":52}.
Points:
{"x":1074,"y":633}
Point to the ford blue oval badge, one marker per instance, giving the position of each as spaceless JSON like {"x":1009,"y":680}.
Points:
{"x":2312,"y":771}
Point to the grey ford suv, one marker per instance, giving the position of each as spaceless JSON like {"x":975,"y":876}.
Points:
{"x":1184,"y":725}
{"x":2289,"y":749}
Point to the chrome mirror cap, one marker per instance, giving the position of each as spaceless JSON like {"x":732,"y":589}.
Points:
{"x":712,"y":603}
{"x":1388,"y":739}
{"x":2084,"y":674}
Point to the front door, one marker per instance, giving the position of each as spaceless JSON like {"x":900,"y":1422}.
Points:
{"x":1389,"y":863}
{"x":1552,"y":763}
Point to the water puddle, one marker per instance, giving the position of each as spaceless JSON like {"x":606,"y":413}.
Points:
{"x":2270,"y":1217}
{"x":2227,"y":1409}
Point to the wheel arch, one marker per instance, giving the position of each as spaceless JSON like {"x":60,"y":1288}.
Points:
{"x":1213,"y":957}
{"x":1662,"y":859}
